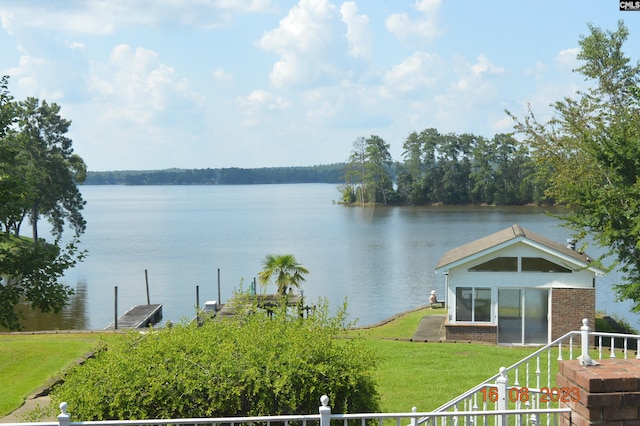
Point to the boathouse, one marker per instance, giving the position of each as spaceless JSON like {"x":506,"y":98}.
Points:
{"x":516,"y":287}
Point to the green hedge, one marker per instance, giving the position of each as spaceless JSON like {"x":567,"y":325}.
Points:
{"x":249,"y":365}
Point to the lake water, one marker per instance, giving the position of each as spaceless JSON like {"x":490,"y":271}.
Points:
{"x":380,"y":259}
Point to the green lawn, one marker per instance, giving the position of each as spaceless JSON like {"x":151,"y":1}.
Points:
{"x":401,"y":327}
{"x":427,"y":375}
{"x":29,"y":362}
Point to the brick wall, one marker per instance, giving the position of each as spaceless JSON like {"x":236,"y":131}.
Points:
{"x":472,"y":333}
{"x":568,"y":307}
{"x":609,"y":393}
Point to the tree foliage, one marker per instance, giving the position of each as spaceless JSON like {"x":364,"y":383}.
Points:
{"x":31,"y":273}
{"x":247,"y":365}
{"x":284,"y":269}
{"x":368,"y":177}
{"x":589,"y":153}
{"x":442,"y":168}
{"x":328,"y":173}
{"x":38,"y":178}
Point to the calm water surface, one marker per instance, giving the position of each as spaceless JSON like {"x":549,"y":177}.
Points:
{"x":381,"y":260}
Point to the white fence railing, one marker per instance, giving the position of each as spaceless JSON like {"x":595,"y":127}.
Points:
{"x":326,"y":418}
{"x":532,"y":399}
{"x":533,"y":379}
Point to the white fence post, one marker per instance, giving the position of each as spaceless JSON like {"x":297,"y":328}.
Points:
{"x":64,"y":418}
{"x":502,"y":382}
{"x":414,"y":420}
{"x":325,"y":411}
{"x":584,"y":357}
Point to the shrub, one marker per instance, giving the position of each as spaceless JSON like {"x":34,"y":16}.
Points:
{"x":248,"y":365}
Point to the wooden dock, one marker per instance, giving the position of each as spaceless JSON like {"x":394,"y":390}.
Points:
{"x":141,"y":316}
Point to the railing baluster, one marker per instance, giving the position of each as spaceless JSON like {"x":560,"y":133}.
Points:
{"x":613,"y":345}
{"x":538,"y":372}
{"x":560,"y":351}
{"x":571,"y":347}
{"x":600,"y":347}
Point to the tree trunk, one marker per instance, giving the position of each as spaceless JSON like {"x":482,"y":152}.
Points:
{"x":34,"y":221}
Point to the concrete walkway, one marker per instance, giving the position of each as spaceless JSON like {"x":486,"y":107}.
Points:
{"x":29,"y":405}
{"x":431,"y":329}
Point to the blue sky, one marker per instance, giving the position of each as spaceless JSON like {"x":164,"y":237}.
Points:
{"x":153,"y":84}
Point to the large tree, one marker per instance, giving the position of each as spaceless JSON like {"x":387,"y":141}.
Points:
{"x":51,"y":168}
{"x":589,"y":153}
{"x":38,"y":178}
{"x":377,"y":164}
{"x":367,"y":177}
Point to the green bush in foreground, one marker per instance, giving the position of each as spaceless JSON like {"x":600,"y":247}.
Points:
{"x":245,"y":366}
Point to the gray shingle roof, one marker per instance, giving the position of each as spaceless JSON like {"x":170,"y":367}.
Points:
{"x":511,"y":233}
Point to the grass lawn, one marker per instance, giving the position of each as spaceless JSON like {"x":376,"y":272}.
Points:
{"x":28,"y":362}
{"x":401,"y":327}
{"x":427,"y":375}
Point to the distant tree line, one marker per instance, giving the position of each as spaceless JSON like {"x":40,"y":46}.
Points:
{"x":436,"y":168}
{"x":442,"y":169}
{"x":331,"y":173}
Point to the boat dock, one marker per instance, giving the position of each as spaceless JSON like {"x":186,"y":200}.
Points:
{"x":140,"y":316}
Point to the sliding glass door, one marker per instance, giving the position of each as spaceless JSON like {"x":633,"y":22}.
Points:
{"x":523,"y":316}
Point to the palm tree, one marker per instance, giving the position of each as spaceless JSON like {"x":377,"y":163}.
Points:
{"x":285,"y":269}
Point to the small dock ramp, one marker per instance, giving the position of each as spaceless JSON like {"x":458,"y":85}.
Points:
{"x":140,"y":316}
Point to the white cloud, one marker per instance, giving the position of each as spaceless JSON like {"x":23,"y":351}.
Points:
{"x":304,"y":41}
{"x":426,"y":26}
{"x":97,"y":17}
{"x":358,"y":32}
{"x":243,"y":5}
{"x":260,"y":104}
{"x":416,"y":73}
{"x":537,"y":71}
{"x":93,"y":18}
{"x":504,"y":124}
{"x":34,"y":77}
{"x":135,"y":86}
{"x":219,"y":74}
{"x":567,"y":58}
{"x":474,"y":77}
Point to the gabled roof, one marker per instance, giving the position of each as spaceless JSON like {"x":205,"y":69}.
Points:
{"x":507,"y":237}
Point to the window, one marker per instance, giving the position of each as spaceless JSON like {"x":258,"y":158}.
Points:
{"x":473,"y":304}
{"x":538,"y":264}
{"x":510,"y":264}
{"x":498,"y":264}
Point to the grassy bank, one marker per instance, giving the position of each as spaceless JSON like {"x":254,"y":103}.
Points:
{"x":28,"y":362}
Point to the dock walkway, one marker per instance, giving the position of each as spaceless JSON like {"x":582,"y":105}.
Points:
{"x":140,"y":316}
{"x":431,"y":329}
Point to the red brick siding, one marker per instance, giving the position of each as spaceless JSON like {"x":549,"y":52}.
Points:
{"x":568,"y":307}
{"x":472,"y":333}
{"x":609,"y":393}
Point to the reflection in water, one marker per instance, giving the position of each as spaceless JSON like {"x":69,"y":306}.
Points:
{"x":72,"y":317}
